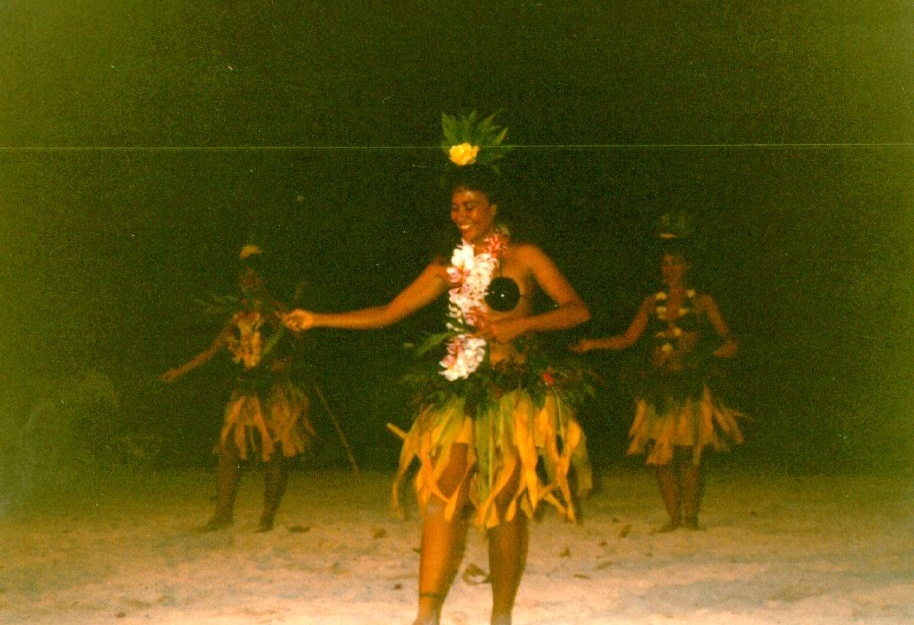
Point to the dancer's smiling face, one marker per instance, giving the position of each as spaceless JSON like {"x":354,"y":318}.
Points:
{"x":472,"y":213}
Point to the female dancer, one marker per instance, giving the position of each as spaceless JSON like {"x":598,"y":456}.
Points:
{"x":267,"y":412}
{"x":492,"y":411}
{"x":677,"y":415}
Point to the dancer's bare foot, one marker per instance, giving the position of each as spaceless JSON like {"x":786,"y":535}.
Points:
{"x":217,"y":523}
{"x":426,"y":620}
{"x":666,"y":528}
{"x":429,"y":608}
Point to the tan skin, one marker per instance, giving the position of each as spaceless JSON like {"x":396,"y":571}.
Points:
{"x":674,"y":270}
{"x":443,"y":540}
{"x":254,"y":287}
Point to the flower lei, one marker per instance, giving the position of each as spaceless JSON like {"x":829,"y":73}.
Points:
{"x":469,"y":274}
{"x":672,"y":331}
{"x":246,"y":343}
{"x":247,"y":347}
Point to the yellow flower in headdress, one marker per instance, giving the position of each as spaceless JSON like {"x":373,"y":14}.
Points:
{"x":463,"y":154}
{"x":469,"y":139}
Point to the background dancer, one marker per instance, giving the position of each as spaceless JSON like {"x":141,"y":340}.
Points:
{"x":677,"y":415}
{"x":267,"y":412}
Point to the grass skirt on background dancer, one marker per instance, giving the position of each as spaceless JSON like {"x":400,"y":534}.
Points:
{"x":696,"y":422}
{"x":258,"y":421}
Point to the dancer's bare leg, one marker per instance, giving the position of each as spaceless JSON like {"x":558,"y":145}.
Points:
{"x":228,"y":475}
{"x":668,"y":481}
{"x":443,"y":541}
{"x":508,"y":544}
{"x":690,"y":479}
{"x":276,"y":475}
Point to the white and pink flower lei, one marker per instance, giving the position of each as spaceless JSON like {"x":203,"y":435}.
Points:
{"x":470,"y":274}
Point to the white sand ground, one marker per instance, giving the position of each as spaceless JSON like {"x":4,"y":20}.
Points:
{"x":775,"y":549}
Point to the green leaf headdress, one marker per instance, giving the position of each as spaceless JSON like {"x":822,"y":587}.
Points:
{"x":679,"y":233}
{"x":675,"y":225}
{"x":249,"y":257}
{"x":249,"y":250}
{"x":470,"y":140}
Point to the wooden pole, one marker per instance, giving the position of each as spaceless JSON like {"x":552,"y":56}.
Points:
{"x":336,"y":424}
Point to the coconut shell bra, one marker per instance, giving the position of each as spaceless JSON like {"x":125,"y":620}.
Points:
{"x":503,"y":294}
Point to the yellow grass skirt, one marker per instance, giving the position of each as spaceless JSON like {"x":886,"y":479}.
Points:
{"x":259,"y":423}
{"x":509,"y":436}
{"x":692,"y":422}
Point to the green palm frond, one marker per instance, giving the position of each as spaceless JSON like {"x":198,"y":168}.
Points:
{"x":480,"y":132}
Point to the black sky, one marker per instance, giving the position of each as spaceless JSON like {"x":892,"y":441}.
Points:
{"x":140,"y":145}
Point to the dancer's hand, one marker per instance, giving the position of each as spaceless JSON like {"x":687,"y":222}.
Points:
{"x":582,"y":346}
{"x":171,"y":375}
{"x":503,"y":330}
{"x":298,"y":320}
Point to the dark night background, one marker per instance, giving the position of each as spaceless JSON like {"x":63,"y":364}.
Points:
{"x":141,"y":143}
